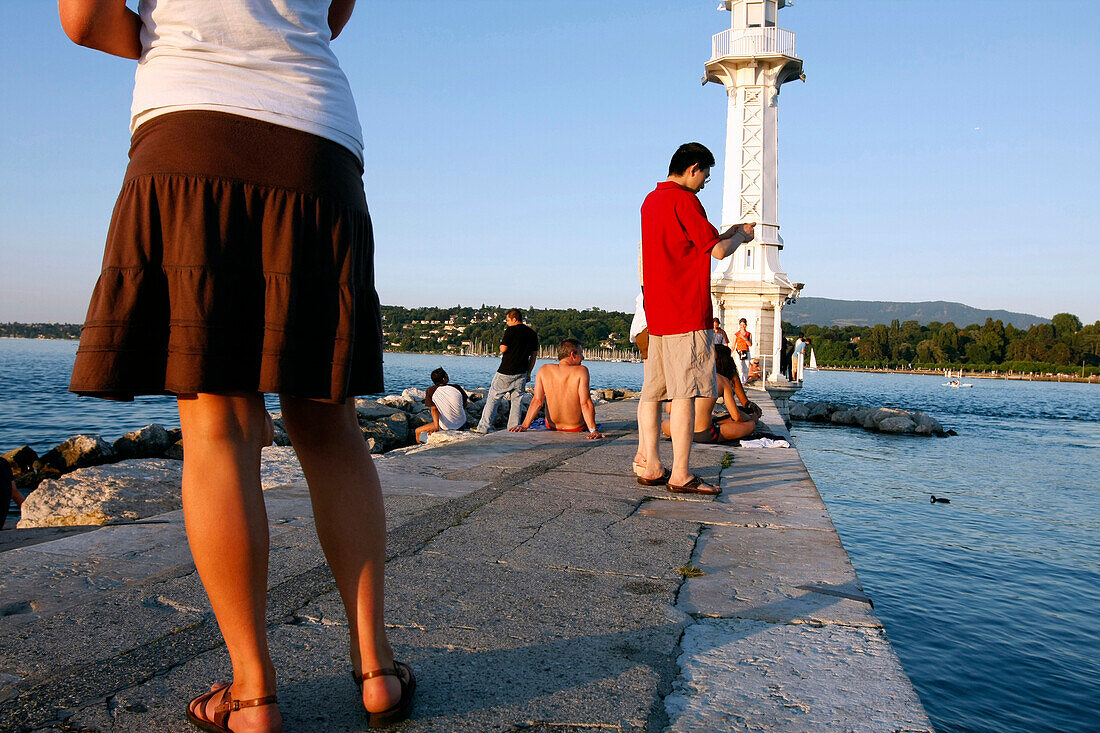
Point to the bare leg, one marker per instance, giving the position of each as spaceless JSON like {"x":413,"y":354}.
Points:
{"x":639,"y":457}
{"x":226,"y":522}
{"x":649,"y":416}
{"x":429,"y":428}
{"x":682,"y":424}
{"x":351,"y":523}
{"x":735,"y":429}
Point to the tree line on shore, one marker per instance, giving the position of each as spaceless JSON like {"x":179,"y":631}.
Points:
{"x":466,"y":329}
{"x":445,"y":330}
{"x":1063,"y":345}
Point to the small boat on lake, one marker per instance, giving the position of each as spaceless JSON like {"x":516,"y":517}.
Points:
{"x":955,"y":382}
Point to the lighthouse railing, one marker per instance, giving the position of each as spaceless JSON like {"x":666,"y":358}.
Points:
{"x":753,"y":42}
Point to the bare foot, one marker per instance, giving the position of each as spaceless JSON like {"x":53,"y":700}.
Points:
{"x":381,"y":693}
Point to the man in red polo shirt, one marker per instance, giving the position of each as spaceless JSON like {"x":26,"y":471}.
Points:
{"x":677,"y":244}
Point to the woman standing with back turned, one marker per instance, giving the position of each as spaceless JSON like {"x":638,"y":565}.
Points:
{"x":239,"y":261}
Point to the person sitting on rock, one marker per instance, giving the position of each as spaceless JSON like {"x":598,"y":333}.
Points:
{"x":739,"y":423}
{"x":563,"y":388}
{"x":448,"y":403}
{"x":7,"y":491}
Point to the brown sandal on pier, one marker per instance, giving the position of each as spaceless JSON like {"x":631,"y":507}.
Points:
{"x":403,"y":707}
{"x":695,"y":486}
{"x":196,"y":709}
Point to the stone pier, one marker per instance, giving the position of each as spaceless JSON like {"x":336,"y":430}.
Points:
{"x":531,"y":583}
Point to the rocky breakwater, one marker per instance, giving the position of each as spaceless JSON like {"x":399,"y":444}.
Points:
{"x":87,"y":480}
{"x":878,"y":419}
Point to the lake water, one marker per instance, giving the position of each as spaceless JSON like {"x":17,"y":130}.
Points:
{"x":992,"y":601}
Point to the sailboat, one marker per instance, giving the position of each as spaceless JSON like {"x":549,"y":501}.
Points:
{"x":955,"y":382}
{"x":813,"y":360}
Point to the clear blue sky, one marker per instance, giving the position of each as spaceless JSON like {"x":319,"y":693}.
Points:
{"x":939,"y":150}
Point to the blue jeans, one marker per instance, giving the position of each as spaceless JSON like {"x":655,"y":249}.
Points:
{"x":504,"y":385}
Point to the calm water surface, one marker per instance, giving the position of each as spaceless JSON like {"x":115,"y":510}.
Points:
{"x":991,"y":601}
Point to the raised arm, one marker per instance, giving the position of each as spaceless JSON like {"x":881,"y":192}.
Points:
{"x":104,"y":25}
{"x":339,"y":13}
{"x":534,"y":407}
{"x":731,"y":239}
{"x":588,"y":410}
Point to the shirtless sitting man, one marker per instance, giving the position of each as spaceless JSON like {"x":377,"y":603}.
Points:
{"x":741,"y":422}
{"x":563,"y":387}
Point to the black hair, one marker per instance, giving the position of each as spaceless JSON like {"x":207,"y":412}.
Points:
{"x":515,"y":313}
{"x":439,"y":376}
{"x":723,"y":361}
{"x":690,"y":154}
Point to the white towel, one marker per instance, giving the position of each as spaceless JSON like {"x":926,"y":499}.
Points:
{"x":765,"y":443}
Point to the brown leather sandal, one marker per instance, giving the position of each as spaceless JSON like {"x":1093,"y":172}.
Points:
{"x":220,"y":722}
{"x":403,"y":707}
{"x":695,"y":485}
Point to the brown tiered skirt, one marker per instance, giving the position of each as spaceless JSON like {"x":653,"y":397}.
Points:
{"x":240,"y":257}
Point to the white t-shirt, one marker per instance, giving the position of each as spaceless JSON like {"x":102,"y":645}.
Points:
{"x":448,"y":400}
{"x":265,"y":59}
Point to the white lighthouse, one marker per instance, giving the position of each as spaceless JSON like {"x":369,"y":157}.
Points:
{"x":753,"y":59}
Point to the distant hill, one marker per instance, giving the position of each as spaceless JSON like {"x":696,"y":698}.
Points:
{"x":830,"y":312}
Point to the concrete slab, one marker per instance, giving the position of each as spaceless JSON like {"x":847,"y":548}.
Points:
{"x":780,"y":576}
{"x":395,"y":481}
{"x":774,"y":515}
{"x":740,"y":675}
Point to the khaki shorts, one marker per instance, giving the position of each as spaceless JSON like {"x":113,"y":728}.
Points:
{"x":680,"y":366}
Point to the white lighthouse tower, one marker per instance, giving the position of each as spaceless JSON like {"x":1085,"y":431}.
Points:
{"x":753,"y":59}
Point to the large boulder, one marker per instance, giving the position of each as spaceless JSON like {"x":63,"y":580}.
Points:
{"x":820,"y":411}
{"x":873,"y":418}
{"x":373,"y":409}
{"x":149,"y":442}
{"x":440,"y":437}
{"x":846,"y":416}
{"x":79,"y":451}
{"x":897,"y":424}
{"x":400,"y":402}
{"x":399,"y":423}
{"x":927,"y":425}
{"x":386,"y":434}
{"x":474,"y":408}
{"x":798,"y":411}
{"x":280,"y":438}
{"x":22,"y":461}
{"x":423,"y":417}
{"x":118,"y":492}
{"x":859,"y":414}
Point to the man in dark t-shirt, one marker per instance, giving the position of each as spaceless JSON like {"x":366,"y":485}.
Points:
{"x":518,"y":348}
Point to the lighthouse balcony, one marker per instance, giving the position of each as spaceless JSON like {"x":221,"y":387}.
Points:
{"x":752,"y":42}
